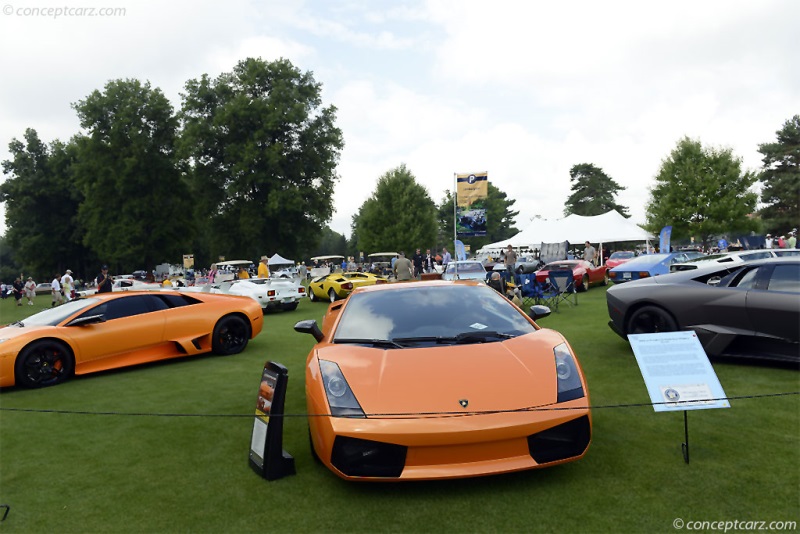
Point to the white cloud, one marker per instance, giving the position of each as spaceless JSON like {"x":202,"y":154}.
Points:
{"x":521,"y":89}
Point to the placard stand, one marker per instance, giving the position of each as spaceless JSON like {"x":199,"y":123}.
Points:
{"x":678,"y":375}
{"x":685,"y":444}
{"x":267,"y":457}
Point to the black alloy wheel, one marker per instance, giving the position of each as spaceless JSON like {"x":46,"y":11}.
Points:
{"x":44,"y":363}
{"x":650,"y":320}
{"x":230,"y":336}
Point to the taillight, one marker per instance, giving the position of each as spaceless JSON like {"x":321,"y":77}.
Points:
{"x":301,"y":290}
{"x":612,"y":275}
{"x":348,"y":286}
{"x":271,"y":293}
{"x":381,"y":281}
{"x":643,"y":274}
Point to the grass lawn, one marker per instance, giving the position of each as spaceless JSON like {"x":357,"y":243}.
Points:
{"x":141,"y":473}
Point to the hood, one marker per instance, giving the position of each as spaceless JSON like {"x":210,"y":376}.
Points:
{"x":512,"y":374}
{"x":11,"y":332}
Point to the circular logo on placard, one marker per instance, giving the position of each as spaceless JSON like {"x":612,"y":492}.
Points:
{"x":671,"y":395}
{"x":471,"y":179}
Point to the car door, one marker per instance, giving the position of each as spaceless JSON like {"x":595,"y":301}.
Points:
{"x":773,"y":305}
{"x":131,"y":323}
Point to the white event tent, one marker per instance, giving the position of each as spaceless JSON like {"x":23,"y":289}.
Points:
{"x":609,"y":227}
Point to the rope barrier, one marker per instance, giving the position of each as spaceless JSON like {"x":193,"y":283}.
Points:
{"x":408,"y":415}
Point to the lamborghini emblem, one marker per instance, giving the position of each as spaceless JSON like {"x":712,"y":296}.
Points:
{"x":463,"y":402}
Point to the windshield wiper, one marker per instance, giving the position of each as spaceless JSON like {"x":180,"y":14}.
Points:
{"x":477,"y":337}
{"x":387,"y":343}
{"x":463,"y":337}
{"x":20,"y":323}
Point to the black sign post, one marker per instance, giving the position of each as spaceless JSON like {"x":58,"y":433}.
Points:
{"x":267,"y":457}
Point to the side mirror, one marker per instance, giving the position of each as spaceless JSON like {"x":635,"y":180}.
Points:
{"x":538,"y":312}
{"x":89,"y":319}
{"x":309,"y":326}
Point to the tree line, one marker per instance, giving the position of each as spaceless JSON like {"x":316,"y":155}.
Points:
{"x":247,"y":166}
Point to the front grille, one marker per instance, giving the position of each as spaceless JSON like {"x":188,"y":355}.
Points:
{"x":560,"y":442}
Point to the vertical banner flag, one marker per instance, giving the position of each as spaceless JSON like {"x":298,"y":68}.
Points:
{"x":471,"y":193}
{"x":663,"y":245}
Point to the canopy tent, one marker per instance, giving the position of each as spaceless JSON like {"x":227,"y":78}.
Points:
{"x":606,"y":228}
{"x":277,"y":259}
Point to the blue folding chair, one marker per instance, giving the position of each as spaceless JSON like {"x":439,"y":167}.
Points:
{"x":530,"y":291}
{"x":562,"y":287}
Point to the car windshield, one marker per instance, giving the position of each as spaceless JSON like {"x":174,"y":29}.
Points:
{"x":558,"y":266}
{"x":707,"y":258}
{"x":469,"y":267}
{"x":646,"y":259}
{"x":621,"y":256}
{"x":429,"y":315}
{"x":54,"y":316}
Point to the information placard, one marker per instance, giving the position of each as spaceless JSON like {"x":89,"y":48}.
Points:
{"x":267,"y":456}
{"x":676,"y":372}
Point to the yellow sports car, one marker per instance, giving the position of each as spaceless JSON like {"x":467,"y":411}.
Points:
{"x":334,"y":286}
{"x":112,"y":330}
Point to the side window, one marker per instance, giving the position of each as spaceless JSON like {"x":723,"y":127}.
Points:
{"x":126,"y":307}
{"x":748,"y":280}
{"x":785,"y":278}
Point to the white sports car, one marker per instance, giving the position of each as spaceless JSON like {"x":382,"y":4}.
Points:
{"x":270,"y":293}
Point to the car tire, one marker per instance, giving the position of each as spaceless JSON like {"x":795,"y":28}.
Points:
{"x":43,"y":363}
{"x":332,"y":295}
{"x":231,"y":335}
{"x":290,"y":307}
{"x":651,"y":320}
{"x":311,"y":296}
{"x":584,"y":283}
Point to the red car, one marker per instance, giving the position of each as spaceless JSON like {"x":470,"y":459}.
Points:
{"x":619,"y":257}
{"x":585,"y":273}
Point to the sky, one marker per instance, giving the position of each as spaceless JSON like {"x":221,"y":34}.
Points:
{"x":522,"y":89}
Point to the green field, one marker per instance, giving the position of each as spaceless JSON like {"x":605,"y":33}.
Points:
{"x":164,"y":448}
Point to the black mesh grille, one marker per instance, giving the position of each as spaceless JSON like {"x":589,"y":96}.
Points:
{"x":560,"y":442}
{"x":363,"y":458}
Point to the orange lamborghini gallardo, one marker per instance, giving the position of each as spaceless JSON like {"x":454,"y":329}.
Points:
{"x":120,"y":329}
{"x":441,"y":380}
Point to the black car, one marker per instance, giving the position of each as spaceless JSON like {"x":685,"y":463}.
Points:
{"x":750,"y":309}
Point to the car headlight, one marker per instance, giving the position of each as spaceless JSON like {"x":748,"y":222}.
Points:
{"x":340,"y":397}
{"x":567,"y":376}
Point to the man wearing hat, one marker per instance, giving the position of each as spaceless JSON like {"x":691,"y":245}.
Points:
{"x":792,"y":241}
{"x":263,"y":268}
{"x":104,"y":282}
{"x":67,"y":283}
{"x":768,"y":241}
{"x":30,"y":290}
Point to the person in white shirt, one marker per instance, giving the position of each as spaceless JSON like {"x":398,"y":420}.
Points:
{"x":55,"y":290}
{"x":768,"y":241}
{"x":30,"y":290}
{"x":67,"y":283}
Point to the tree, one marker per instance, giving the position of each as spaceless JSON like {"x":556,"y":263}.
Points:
{"x":136,"y":207}
{"x":701,"y":193}
{"x":330,"y":243}
{"x":499,"y":220}
{"x":261,"y":156}
{"x":781,"y":179}
{"x":399,"y":215}
{"x":593,"y":192}
{"x":41,"y":205}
